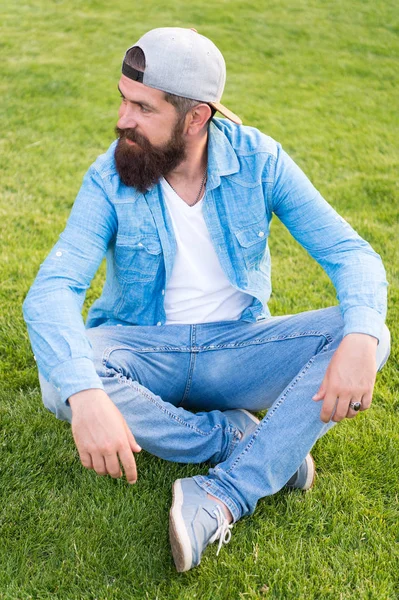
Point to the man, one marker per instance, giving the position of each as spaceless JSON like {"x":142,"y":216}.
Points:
{"x":181,"y":205}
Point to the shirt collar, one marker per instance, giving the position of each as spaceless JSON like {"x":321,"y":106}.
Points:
{"x":222,"y":159}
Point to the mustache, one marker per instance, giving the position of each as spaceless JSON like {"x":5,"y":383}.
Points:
{"x":132,"y":135}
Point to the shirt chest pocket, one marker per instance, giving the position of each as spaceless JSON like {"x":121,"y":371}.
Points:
{"x":252,"y":241}
{"x":137,"y":258}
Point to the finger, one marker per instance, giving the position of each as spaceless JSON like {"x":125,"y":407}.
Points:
{"x":327,"y":410}
{"x":132,"y":442}
{"x":129,"y":465}
{"x":351,"y":412}
{"x":112,"y":465}
{"x":85,"y":459}
{"x":342,"y":407}
{"x":319,"y":395}
{"x":366,"y":401}
{"x":99,"y":464}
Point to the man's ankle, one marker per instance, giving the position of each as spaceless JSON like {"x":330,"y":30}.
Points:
{"x":226,"y":511}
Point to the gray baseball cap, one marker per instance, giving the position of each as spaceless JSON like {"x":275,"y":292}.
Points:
{"x":182,"y":62}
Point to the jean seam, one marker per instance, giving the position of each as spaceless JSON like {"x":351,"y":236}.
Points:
{"x":189,"y":378}
{"x":195,"y":349}
{"x":108,"y":351}
{"x":122,"y":379}
{"x":259,"y":341}
{"x":235,"y":440}
{"x":268,"y":416}
{"x":109,"y":372}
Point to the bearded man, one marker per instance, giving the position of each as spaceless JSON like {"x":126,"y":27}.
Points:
{"x":181,"y":345}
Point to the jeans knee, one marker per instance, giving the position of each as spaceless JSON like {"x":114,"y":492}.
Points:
{"x":383,"y":348}
{"x":100,"y":345}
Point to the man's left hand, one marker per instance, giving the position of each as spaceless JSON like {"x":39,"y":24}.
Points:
{"x":350,"y":377}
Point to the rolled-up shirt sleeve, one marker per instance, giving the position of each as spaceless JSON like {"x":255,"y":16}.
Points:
{"x":53,"y":306}
{"x":354,"y":268}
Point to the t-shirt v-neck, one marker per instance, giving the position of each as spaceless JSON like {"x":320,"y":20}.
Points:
{"x":198,"y":290}
{"x":174,"y":196}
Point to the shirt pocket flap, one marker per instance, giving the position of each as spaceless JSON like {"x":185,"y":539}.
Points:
{"x":137,"y":257}
{"x":150,"y":243}
{"x":248,"y":236}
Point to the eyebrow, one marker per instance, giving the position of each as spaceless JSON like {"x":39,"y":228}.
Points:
{"x":138,"y":102}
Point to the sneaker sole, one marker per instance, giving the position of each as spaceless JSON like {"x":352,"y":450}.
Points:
{"x":311,"y":473}
{"x":178,"y":536}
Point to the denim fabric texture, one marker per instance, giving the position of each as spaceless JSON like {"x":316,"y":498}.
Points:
{"x":158,"y":377}
{"x":250,"y":178}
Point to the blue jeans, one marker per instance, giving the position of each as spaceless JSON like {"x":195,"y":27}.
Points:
{"x":157,"y":376}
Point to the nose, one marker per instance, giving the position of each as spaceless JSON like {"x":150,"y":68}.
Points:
{"x":126,"y":117}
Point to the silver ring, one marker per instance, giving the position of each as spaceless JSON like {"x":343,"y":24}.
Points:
{"x":355,"y":405}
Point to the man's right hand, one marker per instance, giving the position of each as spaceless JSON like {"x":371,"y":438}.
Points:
{"x":102,"y":436}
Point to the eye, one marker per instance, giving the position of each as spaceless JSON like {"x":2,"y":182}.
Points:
{"x":144,"y":109}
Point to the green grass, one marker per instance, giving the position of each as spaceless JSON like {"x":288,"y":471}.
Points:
{"x":319,"y":76}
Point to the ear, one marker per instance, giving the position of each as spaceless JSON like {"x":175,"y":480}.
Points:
{"x":197,"y":118}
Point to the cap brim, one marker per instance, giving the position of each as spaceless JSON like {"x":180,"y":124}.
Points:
{"x":226,"y":112}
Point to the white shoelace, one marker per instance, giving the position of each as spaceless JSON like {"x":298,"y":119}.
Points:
{"x":223,"y":532}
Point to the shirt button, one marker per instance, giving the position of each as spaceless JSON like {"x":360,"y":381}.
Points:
{"x":139,"y":244}
{"x":261,"y":233}
{"x":159,"y":323}
{"x":58,"y":253}
{"x":163,"y":292}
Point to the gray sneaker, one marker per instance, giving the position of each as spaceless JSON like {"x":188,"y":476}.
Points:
{"x":304,"y":478}
{"x":194,"y":522}
{"x":245,"y":421}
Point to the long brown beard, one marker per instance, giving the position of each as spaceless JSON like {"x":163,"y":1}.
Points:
{"x":142,"y":166}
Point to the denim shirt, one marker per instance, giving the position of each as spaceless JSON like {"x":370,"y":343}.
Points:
{"x":250,"y":177}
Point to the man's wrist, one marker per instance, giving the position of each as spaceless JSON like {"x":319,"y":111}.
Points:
{"x":83,"y":396}
{"x":364,"y":339}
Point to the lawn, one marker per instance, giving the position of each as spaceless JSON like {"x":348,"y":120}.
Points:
{"x":320,"y":77}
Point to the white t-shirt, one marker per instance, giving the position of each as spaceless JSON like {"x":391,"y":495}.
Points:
{"x":198,"y":291}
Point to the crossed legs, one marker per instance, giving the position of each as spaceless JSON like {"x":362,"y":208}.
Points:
{"x":157,"y":376}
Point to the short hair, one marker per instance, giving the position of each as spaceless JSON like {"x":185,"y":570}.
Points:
{"x":135,"y":58}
